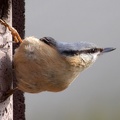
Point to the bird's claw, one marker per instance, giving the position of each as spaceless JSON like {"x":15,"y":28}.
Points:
{"x":13,"y":31}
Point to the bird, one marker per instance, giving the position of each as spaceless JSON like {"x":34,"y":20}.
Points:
{"x":46,"y":64}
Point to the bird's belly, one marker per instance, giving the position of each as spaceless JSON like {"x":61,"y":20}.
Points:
{"x":41,"y":69}
{"x":33,"y":81}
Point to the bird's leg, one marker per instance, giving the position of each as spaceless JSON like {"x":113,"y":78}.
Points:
{"x":7,"y":94}
{"x":10,"y":92}
{"x":14,"y":32}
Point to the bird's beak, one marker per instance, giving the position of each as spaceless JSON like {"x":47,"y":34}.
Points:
{"x":109,"y":49}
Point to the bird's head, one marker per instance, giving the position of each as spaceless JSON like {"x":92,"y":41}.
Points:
{"x":81,"y":54}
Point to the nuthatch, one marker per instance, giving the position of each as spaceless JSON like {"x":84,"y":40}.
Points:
{"x":49,"y":65}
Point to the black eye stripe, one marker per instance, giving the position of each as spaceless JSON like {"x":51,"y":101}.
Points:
{"x":93,"y":50}
{"x":77,"y":52}
{"x":70,"y":52}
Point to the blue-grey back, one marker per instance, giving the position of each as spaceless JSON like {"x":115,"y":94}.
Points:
{"x":77,"y":46}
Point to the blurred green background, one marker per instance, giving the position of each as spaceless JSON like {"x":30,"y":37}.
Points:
{"x":95,"y":94}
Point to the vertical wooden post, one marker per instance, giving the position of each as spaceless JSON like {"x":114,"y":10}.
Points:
{"x":6,"y":107}
{"x":18,"y":22}
{"x":12,"y":11}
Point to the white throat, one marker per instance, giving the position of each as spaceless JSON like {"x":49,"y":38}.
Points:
{"x":89,"y":58}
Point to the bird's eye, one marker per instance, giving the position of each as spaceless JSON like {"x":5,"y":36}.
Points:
{"x":93,"y":50}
